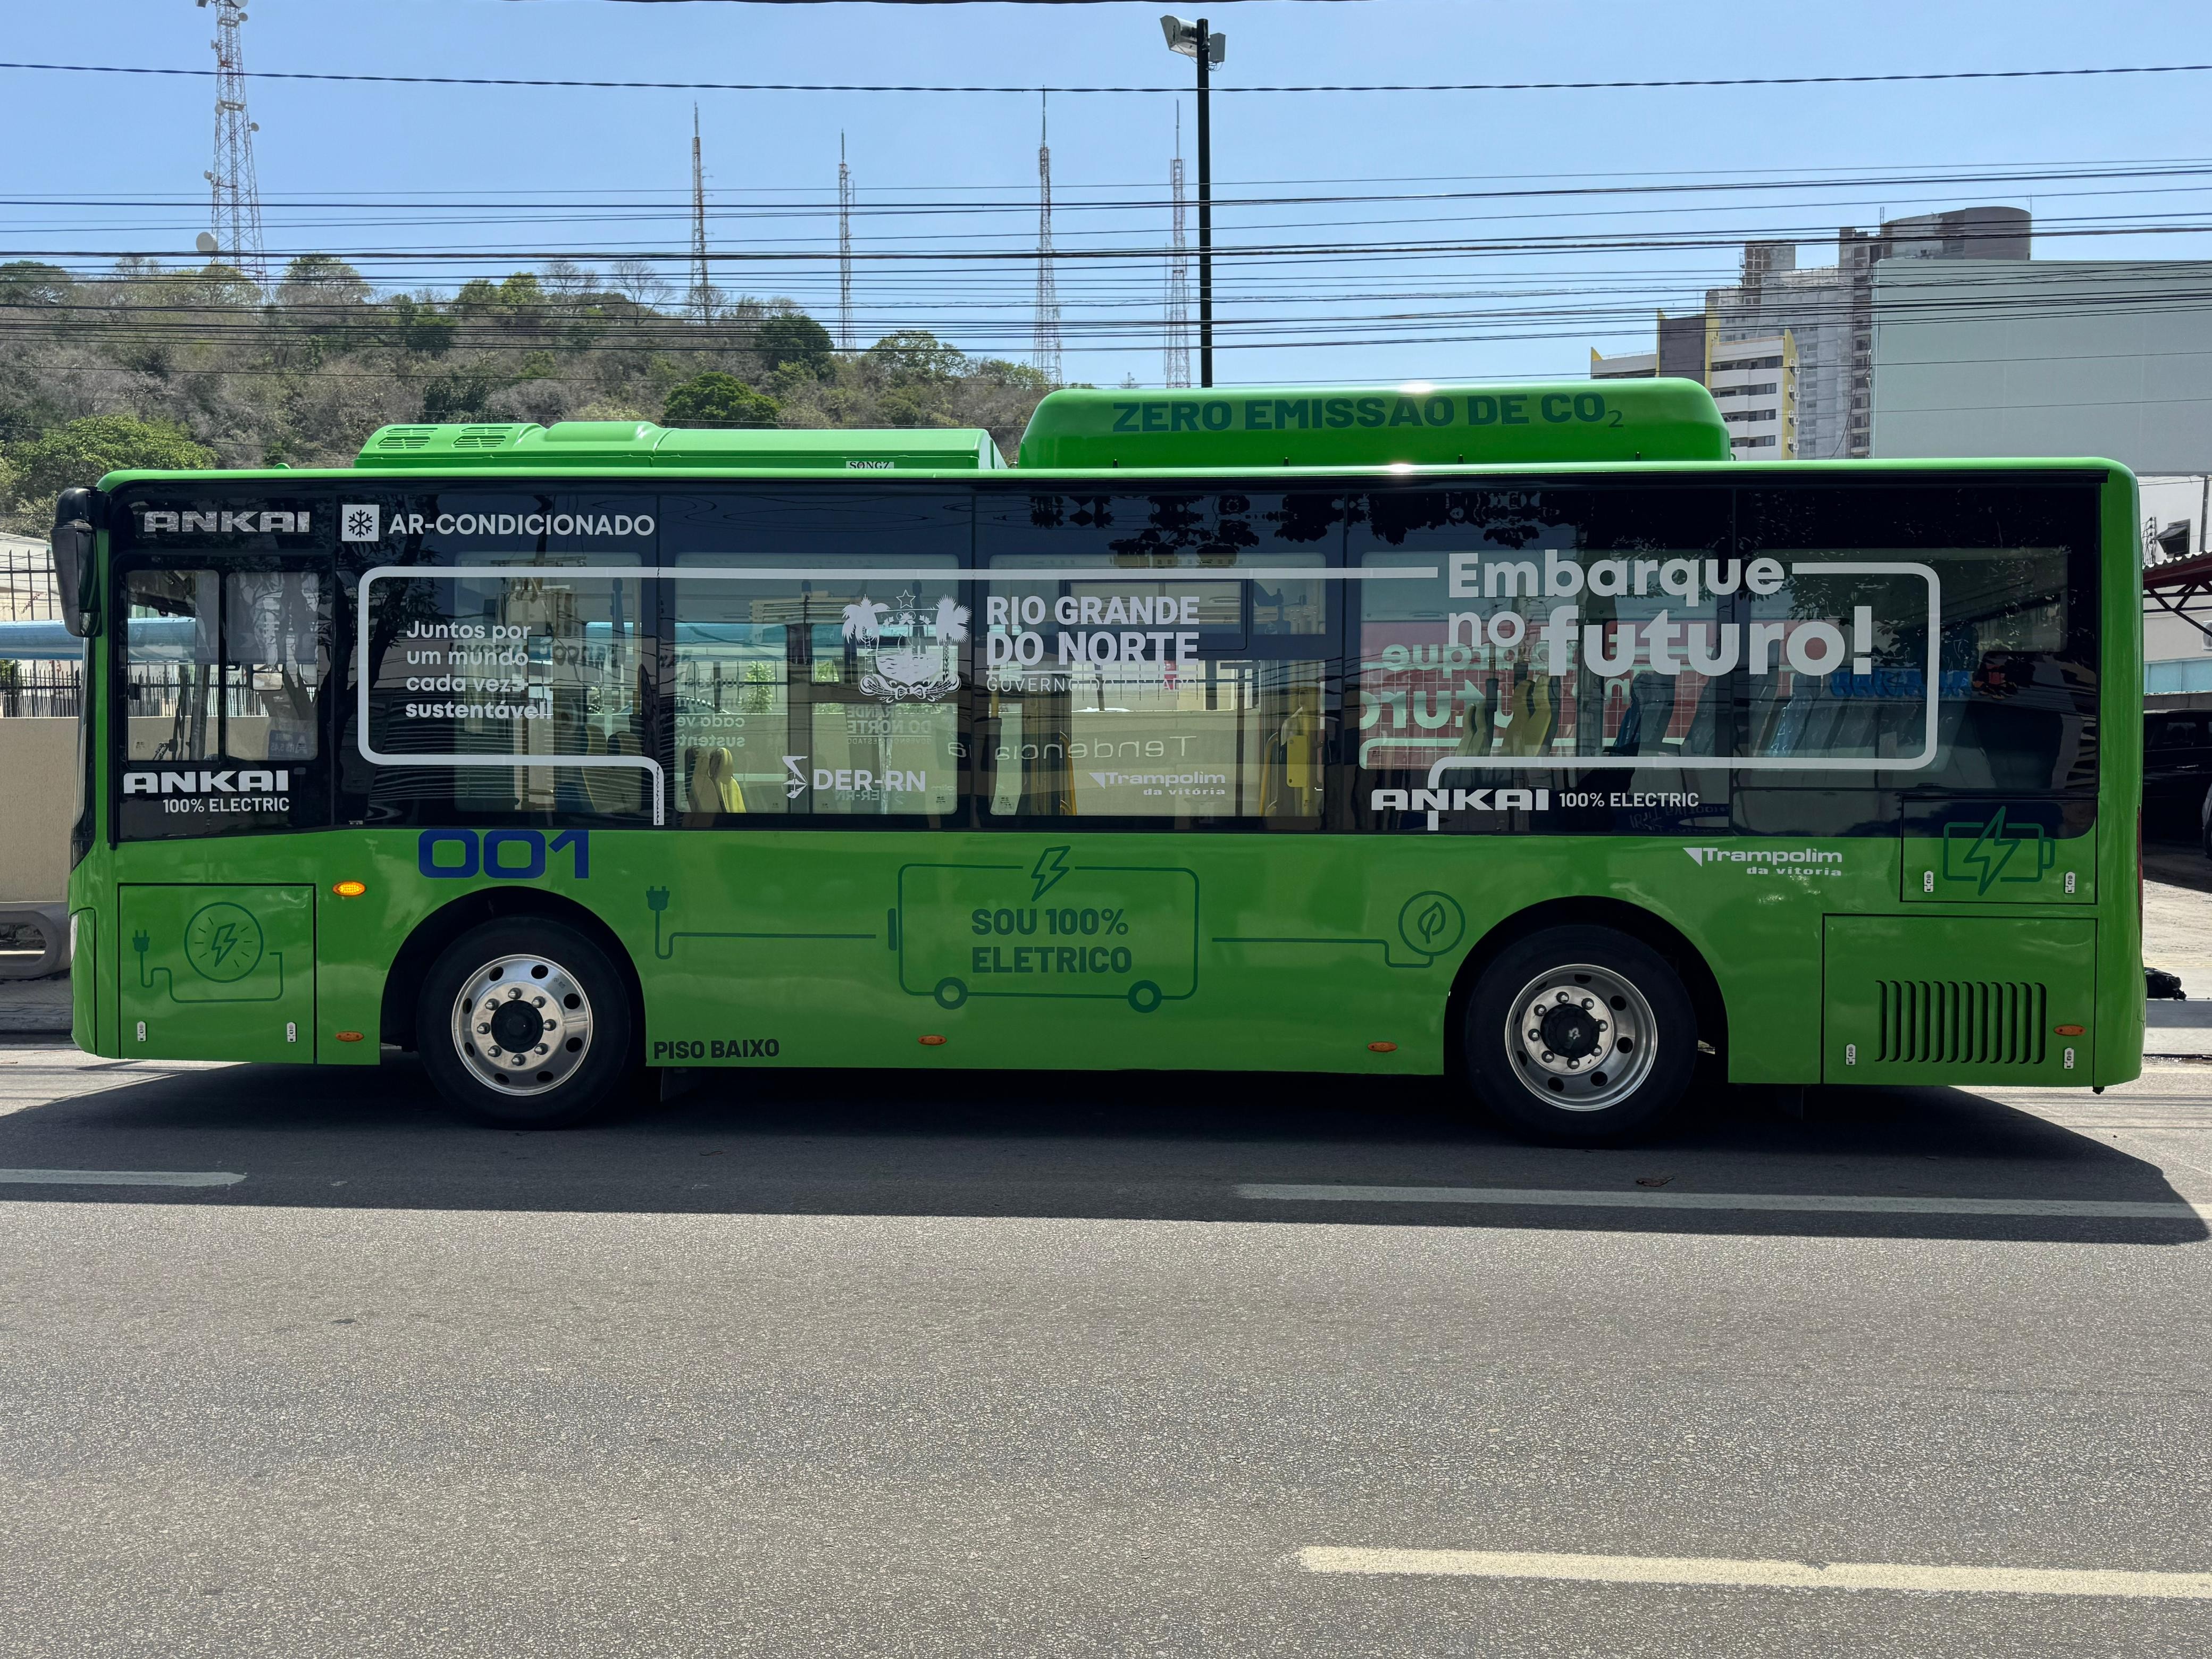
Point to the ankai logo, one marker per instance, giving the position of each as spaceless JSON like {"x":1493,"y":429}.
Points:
{"x":1769,"y":856}
{"x":1459,"y":800}
{"x":232,"y":781}
{"x":224,"y":523}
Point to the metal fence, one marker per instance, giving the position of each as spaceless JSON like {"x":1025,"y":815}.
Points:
{"x":32,"y":687}
{"x":42,"y":687}
{"x":27,"y":589}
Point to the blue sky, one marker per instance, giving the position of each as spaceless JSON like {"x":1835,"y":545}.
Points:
{"x":964,"y":166}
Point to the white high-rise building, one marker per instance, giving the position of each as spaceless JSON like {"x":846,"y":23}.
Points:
{"x":1828,"y":313}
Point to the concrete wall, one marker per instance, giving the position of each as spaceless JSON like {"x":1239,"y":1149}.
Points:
{"x":2104,"y":358}
{"x":38,"y":802}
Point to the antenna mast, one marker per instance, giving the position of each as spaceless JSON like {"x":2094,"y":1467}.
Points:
{"x":1047,"y":352}
{"x":236,"y":195}
{"x":844,"y":249}
{"x":1175,"y":364}
{"x":702,"y":297}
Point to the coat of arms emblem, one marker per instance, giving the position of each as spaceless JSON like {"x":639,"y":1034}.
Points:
{"x":915,"y":651}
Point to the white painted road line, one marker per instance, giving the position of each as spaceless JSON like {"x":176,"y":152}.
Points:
{"x":120,"y":1177}
{"x":1817,"y":1203}
{"x":1762,"y":1575}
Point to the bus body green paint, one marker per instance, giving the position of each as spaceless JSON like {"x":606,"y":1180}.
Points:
{"x":1309,"y":932}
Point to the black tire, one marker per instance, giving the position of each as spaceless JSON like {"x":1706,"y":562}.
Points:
{"x":1611,"y":1051}
{"x":568,"y":1039}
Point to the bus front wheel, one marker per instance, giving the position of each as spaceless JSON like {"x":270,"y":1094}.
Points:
{"x":1580,"y":1035}
{"x":525,"y":1026}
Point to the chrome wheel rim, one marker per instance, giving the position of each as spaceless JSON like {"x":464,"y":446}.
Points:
{"x":522,"y":1024}
{"x":1581,"y":1037}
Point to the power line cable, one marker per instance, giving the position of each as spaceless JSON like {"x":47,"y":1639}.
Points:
{"x":2073,"y":72}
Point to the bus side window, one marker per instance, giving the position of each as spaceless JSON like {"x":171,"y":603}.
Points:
{"x":220,"y":730}
{"x":1128,"y":670}
{"x":222,"y":665}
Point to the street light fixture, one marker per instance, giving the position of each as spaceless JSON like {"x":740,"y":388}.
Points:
{"x":1196,"y":40}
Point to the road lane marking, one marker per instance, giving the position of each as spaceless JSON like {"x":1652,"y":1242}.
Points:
{"x":1764,"y":1575}
{"x":1817,"y":1203}
{"x":120,"y":1177}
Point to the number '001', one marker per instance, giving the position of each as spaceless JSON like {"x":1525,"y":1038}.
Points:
{"x":499,"y":854}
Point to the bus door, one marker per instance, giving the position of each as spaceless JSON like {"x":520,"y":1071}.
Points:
{"x":221,"y":733}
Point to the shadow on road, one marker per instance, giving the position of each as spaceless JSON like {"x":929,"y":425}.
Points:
{"x":2178,"y":863}
{"x":1133,"y":1145}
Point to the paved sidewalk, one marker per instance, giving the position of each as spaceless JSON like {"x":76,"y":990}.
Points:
{"x":38,"y":1007}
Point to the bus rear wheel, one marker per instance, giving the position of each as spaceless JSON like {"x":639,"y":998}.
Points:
{"x":525,"y":1026}
{"x":1580,"y":1035}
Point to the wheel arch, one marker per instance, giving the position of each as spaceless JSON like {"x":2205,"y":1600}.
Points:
{"x":396,"y":1017}
{"x":1633,"y":920}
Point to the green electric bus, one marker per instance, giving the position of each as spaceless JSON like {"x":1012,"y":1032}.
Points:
{"x":1516,"y":734}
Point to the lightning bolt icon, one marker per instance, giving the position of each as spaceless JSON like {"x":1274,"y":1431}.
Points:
{"x":1051,"y":866}
{"x":225,"y":937}
{"x":1992,"y":850}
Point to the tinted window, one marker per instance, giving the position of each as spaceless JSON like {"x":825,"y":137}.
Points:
{"x":510,"y":662}
{"x":820,"y":654}
{"x":1842,"y":660}
{"x":1133,"y":671}
{"x":222,"y":674}
{"x":1505,"y":634}
{"x":2014,"y":696}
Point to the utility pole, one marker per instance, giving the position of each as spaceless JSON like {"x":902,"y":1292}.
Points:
{"x":1199,"y":41}
{"x":236,"y":195}
{"x":844,"y":249}
{"x":1205,"y":210}
{"x":1046,"y":355}
{"x":1175,"y":364}
{"x":702,"y":297}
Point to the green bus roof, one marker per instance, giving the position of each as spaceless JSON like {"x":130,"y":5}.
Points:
{"x":1416,"y":424}
{"x":598,"y":446}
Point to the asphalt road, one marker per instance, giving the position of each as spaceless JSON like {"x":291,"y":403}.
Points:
{"x":1012,"y":1366}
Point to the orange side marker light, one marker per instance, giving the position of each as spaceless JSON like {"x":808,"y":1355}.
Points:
{"x":933,"y":1041}
{"x":348,"y":1036}
{"x":2071,"y":1030}
{"x":351,"y":889}
{"x":1382,"y":1047}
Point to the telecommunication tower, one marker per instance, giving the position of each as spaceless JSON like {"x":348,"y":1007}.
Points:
{"x":701,"y":300}
{"x":236,"y":204}
{"x":844,"y":249}
{"x":1046,"y":356}
{"x":1175,"y":364}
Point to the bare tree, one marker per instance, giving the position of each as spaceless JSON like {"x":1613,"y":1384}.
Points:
{"x":640,"y":281}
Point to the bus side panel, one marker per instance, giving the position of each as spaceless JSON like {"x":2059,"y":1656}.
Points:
{"x":2117,"y":1050}
{"x":1201,"y":952}
{"x":1958,"y":1000}
{"x":92,"y":1018}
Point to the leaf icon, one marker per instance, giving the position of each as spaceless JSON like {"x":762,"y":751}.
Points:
{"x":1431,"y":923}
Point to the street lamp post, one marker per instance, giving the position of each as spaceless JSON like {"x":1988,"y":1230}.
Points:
{"x":1196,"y":40}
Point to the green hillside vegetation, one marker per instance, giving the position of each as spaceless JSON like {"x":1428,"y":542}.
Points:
{"x":150,"y":366}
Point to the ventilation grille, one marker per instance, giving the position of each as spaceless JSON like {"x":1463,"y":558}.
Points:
{"x":1963,"y":1022}
{"x":406,"y":437}
{"x":482,"y":437}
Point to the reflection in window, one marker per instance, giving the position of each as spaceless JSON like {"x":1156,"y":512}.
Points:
{"x":542,"y":665}
{"x":1671,"y":655}
{"x":222,"y":666}
{"x":1140,"y":692}
{"x":836,"y":692}
{"x":2012,"y":704}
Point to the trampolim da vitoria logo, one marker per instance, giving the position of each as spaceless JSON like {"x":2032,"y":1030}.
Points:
{"x":1769,"y":856}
